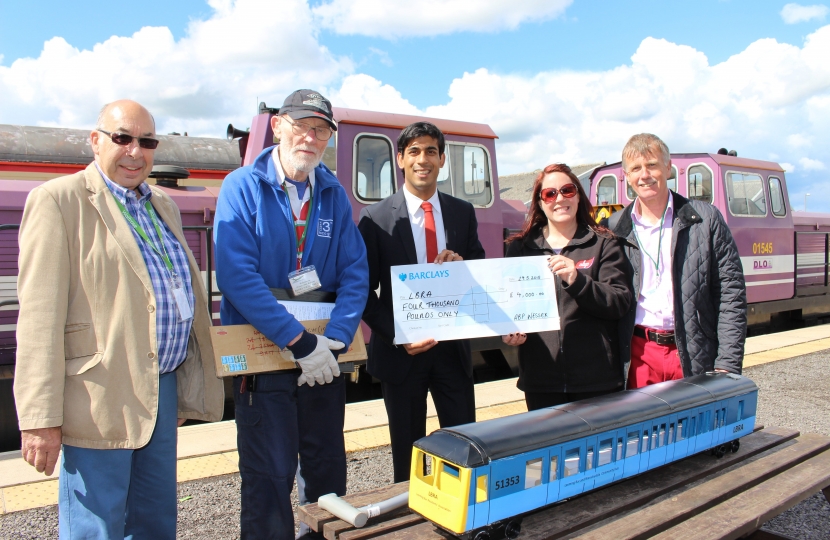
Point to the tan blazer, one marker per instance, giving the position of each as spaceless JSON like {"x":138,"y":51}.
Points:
{"x":86,"y":333}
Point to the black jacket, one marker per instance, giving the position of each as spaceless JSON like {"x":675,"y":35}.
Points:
{"x":584,"y":355}
{"x":709,"y":289}
{"x":387,"y":233}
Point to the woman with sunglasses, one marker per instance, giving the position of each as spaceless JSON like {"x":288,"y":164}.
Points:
{"x":580,"y":360}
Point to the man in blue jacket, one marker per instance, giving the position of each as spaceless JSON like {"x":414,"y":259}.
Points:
{"x":283,"y":225}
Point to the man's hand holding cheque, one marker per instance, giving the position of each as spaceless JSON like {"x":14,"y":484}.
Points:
{"x":425,"y":345}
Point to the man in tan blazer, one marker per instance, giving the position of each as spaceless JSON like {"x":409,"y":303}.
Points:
{"x":113,"y":341}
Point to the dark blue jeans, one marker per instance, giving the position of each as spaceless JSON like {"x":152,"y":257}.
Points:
{"x":275,"y":424}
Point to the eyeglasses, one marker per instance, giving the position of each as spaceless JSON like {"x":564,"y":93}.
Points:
{"x":568,"y":191}
{"x":322,"y":133}
{"x":122,"y":139}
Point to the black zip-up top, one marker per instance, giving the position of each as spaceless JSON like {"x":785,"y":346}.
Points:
{"x":584,"y":355}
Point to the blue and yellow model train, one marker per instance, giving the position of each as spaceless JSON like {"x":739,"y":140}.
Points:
{"x":476,"y":479}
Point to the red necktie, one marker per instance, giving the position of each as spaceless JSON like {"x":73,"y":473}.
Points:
{"x":429,"y":227}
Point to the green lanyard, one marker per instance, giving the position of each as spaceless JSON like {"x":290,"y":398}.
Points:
{"x":131,"y":220}
{"x":659,"y":241}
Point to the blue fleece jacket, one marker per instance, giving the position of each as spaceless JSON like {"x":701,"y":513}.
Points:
{"x":256,"y":248}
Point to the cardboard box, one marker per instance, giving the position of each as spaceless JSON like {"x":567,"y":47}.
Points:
{"x":242,"y":349}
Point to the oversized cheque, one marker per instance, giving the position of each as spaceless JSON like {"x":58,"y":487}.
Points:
{"x":469,"y":299}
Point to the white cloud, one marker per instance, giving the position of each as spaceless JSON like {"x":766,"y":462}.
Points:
{"x":770,"y":98}
{"x":796,"y":13}
{"x":213,"y":75}
{"x":811,"y":164}
{"x":788,"y":167}
{"x":383,"y":56}
{"x":392,"y":19}
{"x":365,"y":92}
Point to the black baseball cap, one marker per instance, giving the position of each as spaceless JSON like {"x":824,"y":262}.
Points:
{"x":308,"y":104}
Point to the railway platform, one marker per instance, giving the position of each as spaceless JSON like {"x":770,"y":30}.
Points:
{"x":209,"y":450}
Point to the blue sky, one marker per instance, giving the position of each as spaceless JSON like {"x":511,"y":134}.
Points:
{"x":557,"y":79}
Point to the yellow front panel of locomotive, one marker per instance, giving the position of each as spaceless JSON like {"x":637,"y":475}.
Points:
{"x":439,"y":491}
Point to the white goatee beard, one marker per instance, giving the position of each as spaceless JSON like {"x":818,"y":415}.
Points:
{"x":301,"y":163}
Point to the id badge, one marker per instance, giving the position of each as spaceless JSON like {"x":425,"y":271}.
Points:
{"x":304,"y":280}
{"x":180,"y":296}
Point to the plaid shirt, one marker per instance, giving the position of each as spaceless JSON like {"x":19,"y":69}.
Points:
{"x":171,"y":334}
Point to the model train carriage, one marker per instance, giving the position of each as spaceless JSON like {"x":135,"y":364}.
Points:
{"x":473,"y":476}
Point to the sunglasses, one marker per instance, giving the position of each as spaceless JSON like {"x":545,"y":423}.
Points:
{"x":568,"y":191}
{"x":122,"y":139}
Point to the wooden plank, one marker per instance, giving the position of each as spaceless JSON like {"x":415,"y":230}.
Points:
{"x":315,"y":517}
{"x":383,"y":528}
{"x":578,"y":513}
{"x":333,"y":529}
{"x":420,"y":531}
{"x":670,"y":512}
{"x":747,"y":511}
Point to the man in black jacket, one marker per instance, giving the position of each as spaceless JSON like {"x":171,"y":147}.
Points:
{"x":417,"y":225}
{"x":690,"y":314}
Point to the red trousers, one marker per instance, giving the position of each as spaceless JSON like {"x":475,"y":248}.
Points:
{"x":652,"y":363}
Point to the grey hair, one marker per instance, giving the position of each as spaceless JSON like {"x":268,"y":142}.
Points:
{"x":644,"y":144}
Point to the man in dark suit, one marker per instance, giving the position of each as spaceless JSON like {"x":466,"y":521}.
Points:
{"x":417,"y":225}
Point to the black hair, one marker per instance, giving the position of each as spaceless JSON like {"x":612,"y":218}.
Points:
{"x":420,"y":129}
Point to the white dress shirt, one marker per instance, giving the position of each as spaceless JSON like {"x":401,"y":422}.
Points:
{"x":416,"y":220}
{"x":655,"y":304}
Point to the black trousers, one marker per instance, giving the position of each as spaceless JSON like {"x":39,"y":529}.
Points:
{"x":406,"y":404}
{"x":275,"y":424}
{"x":541,"y":400}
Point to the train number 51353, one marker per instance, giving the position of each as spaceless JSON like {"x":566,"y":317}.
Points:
{"x":507,"y":482}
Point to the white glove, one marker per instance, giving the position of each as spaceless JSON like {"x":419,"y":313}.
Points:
{"x":320,"y":366}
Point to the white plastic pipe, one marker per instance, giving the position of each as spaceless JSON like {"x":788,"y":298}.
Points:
{"x":359,"y":516}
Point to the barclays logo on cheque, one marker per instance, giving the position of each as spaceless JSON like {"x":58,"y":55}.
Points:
{"x":424,"y":275}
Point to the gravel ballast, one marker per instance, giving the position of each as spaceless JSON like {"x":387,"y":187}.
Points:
{"x":794,"y":394}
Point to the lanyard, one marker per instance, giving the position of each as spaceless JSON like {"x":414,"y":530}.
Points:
{"x":656,"y":263}
{"x":304,"y":225}
{"x":131,"y":220}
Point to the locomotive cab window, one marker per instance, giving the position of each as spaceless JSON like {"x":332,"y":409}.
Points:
{"x":533,"y":473}
{"x":571,"y":462}
{"x":741,"y":410}
{"x":644,"y":446}
{"x":589,"y":458}
{"x":607,"y":190}
{"x":699,"y":183}
{"x":620,"y":448}
{"x":671,"y":182}
{"x":683,"y":422}
{"x":670,"y":435}
{"x":745,"y":192}
{"x":466,"y":174}
{"x":776,"y":197}
{"x":374,"y":168}
{"x":451,"y":469}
